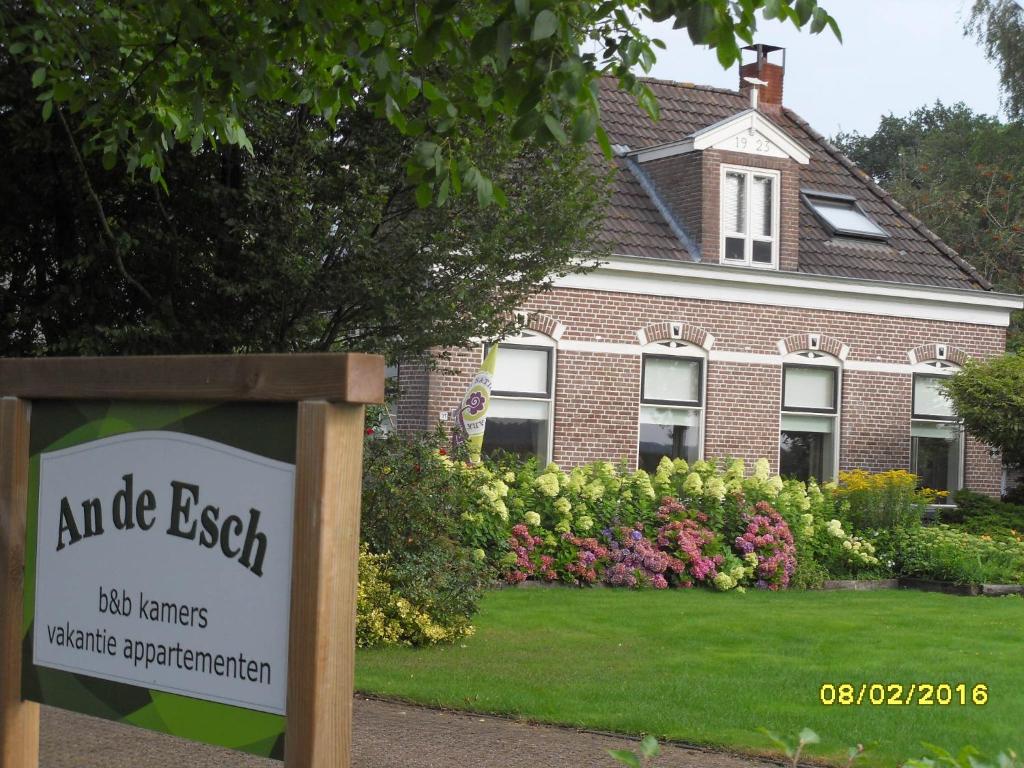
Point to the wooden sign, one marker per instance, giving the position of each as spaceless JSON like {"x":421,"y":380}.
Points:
{"x":179,"y":547}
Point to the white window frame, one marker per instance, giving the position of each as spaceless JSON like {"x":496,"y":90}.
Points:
{"x":675,"y":349}
{"x":748,"y":237}
{"x":937,"y":369}
{"x":528,"y":338}
{"x":814,"y":359}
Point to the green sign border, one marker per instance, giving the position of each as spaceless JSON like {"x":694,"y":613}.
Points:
{"x":262,"y":428}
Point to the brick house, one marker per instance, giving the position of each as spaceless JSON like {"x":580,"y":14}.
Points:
{"x":765,"y":299}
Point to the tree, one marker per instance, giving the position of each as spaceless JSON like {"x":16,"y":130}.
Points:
{"x":143,"y":76}
{"x":963,"y":175}
{"x":290,"y":151}
{"x":312,"y":241}
{"x":999,"y":26}
{"x":989,"y":397}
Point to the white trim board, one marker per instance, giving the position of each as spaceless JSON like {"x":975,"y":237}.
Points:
{"x":714,"y":282}
{"x":730,"y":356}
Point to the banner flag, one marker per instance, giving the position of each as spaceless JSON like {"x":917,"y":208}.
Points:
{"x":471,"y":418}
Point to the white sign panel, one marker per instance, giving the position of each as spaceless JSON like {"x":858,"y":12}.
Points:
{"x":164,"y":561}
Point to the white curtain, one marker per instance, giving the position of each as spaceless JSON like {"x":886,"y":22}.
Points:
{"x":674,"y":379}
{"x":521,"y":370}
{"x":810,"y":388}
{"x":735,"y":202}
{"x":929,"y":399}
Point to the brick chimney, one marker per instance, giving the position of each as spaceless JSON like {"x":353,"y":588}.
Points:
{"x":770,"y":95}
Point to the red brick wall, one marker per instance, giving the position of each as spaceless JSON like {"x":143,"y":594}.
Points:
{"x":742,"y":411}
{"x":597,"y":394}
{"x":597,"y":407}
{"x":875,"y":421}
{"x":679,"y":184}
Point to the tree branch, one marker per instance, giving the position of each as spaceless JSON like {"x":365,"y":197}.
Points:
{"x":98,"y":205}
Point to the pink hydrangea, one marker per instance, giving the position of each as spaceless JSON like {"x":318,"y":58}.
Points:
{"x":767,"y":535}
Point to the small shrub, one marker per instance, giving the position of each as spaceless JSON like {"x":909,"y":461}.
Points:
{"x":767,"y":539}
{"x":384,"y":616}
{"x":946,"y":554}
{"x":881,"y":500}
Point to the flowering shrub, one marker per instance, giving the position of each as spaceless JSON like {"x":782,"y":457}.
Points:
{"x":841,"y":553}
{"x":521,"y":558}
{"x":586,"y":562}
{"x":385,"y":617}
{"x":767,"y":537}
{"x":881,"y":500}
{"x":636,"y":562}
{"x":705,"y":523}
{"x":687,"y":540}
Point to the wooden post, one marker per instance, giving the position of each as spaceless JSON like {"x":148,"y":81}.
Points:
{"x":19,"y":720}
{"x":325,"y":572}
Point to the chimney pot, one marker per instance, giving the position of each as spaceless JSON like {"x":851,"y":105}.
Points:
{"x":770,"y":96}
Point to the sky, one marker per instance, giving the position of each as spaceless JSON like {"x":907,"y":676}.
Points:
{"x":896,"y":56}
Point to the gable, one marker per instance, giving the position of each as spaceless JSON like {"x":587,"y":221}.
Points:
{"x":748,"y":132}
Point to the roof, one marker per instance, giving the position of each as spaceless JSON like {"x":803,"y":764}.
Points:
{"x":635,"y":225}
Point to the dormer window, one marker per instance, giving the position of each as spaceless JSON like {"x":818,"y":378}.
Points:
{"x":750,"y":216}
{"x":842,"y":215}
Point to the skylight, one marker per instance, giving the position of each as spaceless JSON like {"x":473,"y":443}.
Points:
{"x":842,"y":215}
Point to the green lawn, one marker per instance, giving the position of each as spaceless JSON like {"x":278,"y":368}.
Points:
{"x":711,"y":668}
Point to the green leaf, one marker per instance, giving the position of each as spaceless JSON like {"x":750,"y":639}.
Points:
{"x":154,"y":173}
{"x":819,"y":20}
{"x":523,"y":8}
{"x":545,"y":25}
{"x":424,"y":194}
{"x":583,"y":126}
{"x":442,"y":192}
{"x":500,"y":197}
{"x":649,"y":747}
{"x":804,"y":9}
{"x":701,"y":23}
{"x":503,"y":45}
{"x":835,"y":29}
{"x":47,"y":109}
{"x":772,"y":9}
{"x":431,"y":92}
{"x":625,"y":757}
{"x":555,"y":128}
{"x":604,"y":143}
{"x":16,"y":48}
{"x":38,"y":77}
{"x":807,"y":736}
{"x":109,"y":160}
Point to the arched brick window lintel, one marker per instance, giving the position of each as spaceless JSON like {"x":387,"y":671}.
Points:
{"x":813,"y":342}
{"x":674,"y":330}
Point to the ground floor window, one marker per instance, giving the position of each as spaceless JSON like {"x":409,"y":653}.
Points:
{"x":519,"y":427}
{"x":522,"y":395}
{"x":936,"y":438}
{"x":936,"y":454}
{"x":672,"y":432}
{"x":807,"y":447}
{"x":671,"y":399}
{"x":810,"y":407}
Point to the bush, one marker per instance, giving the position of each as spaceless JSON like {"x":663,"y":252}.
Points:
{"x":946,"y":554}
{"x":979,"y":514}
{"x":416,"y":514}
{"x":384,"y":616}
{"x":881,"y":501}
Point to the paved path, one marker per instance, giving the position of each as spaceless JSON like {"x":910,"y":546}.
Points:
{"x":386,"y":735}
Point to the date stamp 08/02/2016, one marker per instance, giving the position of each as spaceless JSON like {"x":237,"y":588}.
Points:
{"x":899,"y":694}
